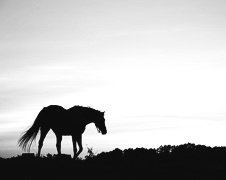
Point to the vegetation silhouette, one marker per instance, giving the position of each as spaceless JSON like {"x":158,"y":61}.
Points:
{"x":187,"y":161}
{"x":63,"y":122}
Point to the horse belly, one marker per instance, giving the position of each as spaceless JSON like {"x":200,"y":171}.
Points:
{"x":67,"y":130}
{"x":63,"y":130}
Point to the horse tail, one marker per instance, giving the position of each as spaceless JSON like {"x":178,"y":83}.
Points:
{"x":29,"y":135}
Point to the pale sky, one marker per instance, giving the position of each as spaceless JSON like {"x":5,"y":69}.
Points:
{"x":156,"y":67}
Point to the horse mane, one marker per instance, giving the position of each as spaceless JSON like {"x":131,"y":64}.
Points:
{"x":86,"y":109}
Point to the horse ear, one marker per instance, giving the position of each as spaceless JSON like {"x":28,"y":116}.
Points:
{"x":103,"y":113}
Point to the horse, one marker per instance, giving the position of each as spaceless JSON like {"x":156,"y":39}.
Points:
{"x":62,"y":122}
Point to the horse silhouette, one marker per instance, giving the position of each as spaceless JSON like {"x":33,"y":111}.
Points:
{"x":62,"y":121}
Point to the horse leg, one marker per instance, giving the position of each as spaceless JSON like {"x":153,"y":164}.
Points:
{"x":58,"y":144}
{"x":79,"y":140}
{"x":43,"y":134}
{"x":74,"y":140}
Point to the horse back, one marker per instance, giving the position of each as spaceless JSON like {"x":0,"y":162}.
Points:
{"x":64,"y":121}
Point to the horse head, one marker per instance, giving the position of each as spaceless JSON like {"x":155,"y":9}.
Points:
{"x":100,"y":123}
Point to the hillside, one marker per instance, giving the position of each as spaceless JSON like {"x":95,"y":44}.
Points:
{"x":187,"y":161}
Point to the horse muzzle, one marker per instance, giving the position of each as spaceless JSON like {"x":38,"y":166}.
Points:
{"x":104,"y":132}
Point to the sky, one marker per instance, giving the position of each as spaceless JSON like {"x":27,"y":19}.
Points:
{"x":156,"y":67}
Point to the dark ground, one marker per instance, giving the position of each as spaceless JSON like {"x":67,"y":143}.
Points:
{"x":187,"y":161}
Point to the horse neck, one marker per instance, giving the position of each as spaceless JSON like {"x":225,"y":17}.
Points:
{"x":87,"y":116}
{"x":90,"y":119}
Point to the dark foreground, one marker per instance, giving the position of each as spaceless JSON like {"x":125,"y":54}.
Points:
{"x":188,"y":161}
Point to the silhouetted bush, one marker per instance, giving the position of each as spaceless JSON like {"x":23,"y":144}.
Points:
{"x":187,"y":161}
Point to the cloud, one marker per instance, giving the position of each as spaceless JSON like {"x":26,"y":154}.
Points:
{"x":40,"y":82}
